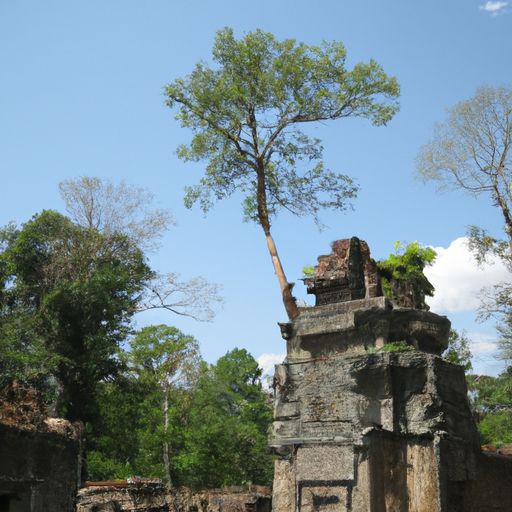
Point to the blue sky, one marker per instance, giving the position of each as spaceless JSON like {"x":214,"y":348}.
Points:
{"x":81,"y":93}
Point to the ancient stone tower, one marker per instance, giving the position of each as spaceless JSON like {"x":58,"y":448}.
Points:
{"x":359,"y":428}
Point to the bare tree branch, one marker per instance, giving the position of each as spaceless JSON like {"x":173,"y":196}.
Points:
{"x":196,"y":298}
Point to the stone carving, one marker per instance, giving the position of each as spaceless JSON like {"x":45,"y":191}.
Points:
{"x":348,"y":273}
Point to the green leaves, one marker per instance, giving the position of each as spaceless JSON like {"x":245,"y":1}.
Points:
{"x":164,"y":355}
{"x":245,"y":113}
{"x":458,"y":351}
{"x":402,"y":274}
{"x":71,"y":296}
{"x":492,"y":400}
{"x":217,"y":431}
{"x":229,"y":417}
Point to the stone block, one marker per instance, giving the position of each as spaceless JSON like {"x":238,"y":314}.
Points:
{"x":325,"y":463}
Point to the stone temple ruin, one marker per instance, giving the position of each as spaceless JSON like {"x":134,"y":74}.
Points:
{"x":358,"y":428}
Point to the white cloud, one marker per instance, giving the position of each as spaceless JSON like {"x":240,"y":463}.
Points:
{"x":485,"y":353}
{"x":458,"y":279}
{"x":481,"y":343}
{"x":267,"y":362}
{"x":494,"y":7}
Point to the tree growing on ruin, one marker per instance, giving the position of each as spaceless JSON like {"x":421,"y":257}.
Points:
{"x":246,"y":112}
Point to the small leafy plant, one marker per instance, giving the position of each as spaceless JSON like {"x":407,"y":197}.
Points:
{"x":402,"y":275}
{"x":308,"y":271}
{"x":395,"y":346}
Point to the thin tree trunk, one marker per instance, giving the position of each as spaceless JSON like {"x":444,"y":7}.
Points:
{"x":286,"y":288}
{"x":166,"y":447}
{"x":502,"y":203}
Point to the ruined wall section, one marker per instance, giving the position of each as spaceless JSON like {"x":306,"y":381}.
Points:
{"x":40,"y":468}
{"x":338,"y":398}
{"x":155,"y":498}
{"x":363,"y":423}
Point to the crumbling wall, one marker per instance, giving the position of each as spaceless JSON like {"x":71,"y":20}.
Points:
{"x":140,"y":498}
{"x":39,"y":468}
{"x":384,"y":432}
{"x":339,"y":397}
{"x":155,"y":498}
{"x":489,"y":491}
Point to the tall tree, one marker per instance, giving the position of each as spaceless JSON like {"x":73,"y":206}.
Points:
{"x":108,"y":208}
{"x":472,"y":151}
{"x":164,"y":357}
{"x":72,"y":290}
{"x":245,"y":115}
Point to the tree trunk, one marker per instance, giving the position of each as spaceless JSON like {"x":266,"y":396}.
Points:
{"x":286,"y":288}
{"x":166,"y":448}
{"x":503,"y":205}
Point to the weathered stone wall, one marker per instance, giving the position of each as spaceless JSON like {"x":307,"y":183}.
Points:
{"x":336,"y":399}
{"x":39,"y":468}
{"x":489,"y":491}
{"x":353,"y":327}
{"x":385,"y":432}
{"x":155,"y":498}
{"x":363,"y":432}
{"x":145,"y":498}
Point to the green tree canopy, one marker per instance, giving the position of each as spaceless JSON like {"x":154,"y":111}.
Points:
{"x":165,"y":358}
{"x":226,"y":438}
{"x":73,"y":291}
{"x":217,"y":431}
{"x":492,"y":401}
{"x":245,"y":114}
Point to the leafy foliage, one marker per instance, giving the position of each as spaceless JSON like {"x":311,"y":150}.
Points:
{"x":245,"y":112}
{"x":458,"y":351}
{"x":227,"y":433}
{"x":492,"y":401}
{"x":395,"y":346}
{"x":69,"y":294}
{"x":166,"y":360}
{"x":308,"y":271}
{"x":216,"y":433}
{"x":402,"y":273}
